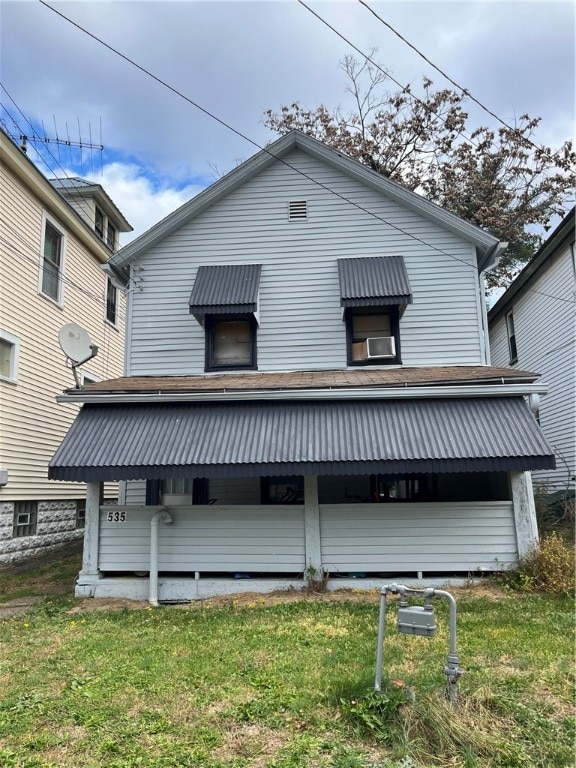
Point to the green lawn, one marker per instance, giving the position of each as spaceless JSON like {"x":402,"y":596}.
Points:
{"x":282,"y":684}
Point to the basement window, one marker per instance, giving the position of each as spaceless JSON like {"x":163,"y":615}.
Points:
{"x":25,"y":519}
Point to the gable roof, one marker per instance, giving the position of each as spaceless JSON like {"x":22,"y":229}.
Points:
{"x":563,"y":233}
{"x":489,"y":247}
{"x":69,"y":185}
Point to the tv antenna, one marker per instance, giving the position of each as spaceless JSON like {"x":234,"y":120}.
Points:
{"x":76,"y":345}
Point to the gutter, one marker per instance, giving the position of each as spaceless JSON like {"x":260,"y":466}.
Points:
{"x":368,"y":393}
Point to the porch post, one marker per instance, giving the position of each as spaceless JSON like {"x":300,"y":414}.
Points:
{"x":524,"y":512}
{"x":312,"y":527}
{"x":89,"y":573}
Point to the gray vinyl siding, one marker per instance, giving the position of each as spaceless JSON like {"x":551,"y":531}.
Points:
{"x":299,"y":309}
{"x":207,"y":538}
{"x":545,"y":330}
{"x":465,"y":536}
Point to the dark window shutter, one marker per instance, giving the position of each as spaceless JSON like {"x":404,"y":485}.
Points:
{"x":153,"y":492}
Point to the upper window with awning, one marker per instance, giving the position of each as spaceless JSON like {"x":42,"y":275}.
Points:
{"x":374,"y":281}
{"x":374,"y":292}
{"x":225,"y":301}
{"x":228,"y":289}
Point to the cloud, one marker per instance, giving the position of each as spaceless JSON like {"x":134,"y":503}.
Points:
{"x":143,"y":200}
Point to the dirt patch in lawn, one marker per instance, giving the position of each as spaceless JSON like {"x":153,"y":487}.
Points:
{"x":280,"y":597}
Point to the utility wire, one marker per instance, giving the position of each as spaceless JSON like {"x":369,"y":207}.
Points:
{"x":381,"y":69}
{"x":37,"y":259}
{"x":75,"y":188}
{"x":264,"y":149}
{"x":465,"y":91}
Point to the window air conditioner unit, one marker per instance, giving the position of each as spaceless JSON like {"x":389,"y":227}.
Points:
{"x":381,"y":346}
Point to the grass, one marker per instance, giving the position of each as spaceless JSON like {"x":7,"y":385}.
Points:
{"x":281,"y":683}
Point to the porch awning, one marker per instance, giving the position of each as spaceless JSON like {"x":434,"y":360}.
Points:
{"x":166,"y":440}
{"x":225,"y":289}
{"x":374,"y":281}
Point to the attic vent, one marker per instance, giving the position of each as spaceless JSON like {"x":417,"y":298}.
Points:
{"x":297,"y":210}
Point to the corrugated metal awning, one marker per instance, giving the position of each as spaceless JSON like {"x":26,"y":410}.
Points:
{"x":156,"y":441}
{"x":373,"y":281}
{"x":225,"y":289}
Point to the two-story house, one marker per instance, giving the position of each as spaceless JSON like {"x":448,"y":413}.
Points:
{"x":532,"y":326}
{"x":308,"y":391}
{"x":51,"y":274}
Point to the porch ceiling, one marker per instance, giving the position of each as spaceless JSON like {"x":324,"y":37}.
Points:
{"x":162,"y":440}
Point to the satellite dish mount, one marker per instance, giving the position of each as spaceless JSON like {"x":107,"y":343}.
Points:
{"x":76,"y":345}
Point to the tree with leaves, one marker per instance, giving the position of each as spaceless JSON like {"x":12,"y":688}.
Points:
{"x":500,"y":180}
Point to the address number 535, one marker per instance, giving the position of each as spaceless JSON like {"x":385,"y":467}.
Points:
{"x":116,"y":517}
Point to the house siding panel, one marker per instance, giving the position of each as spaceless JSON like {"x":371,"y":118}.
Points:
{"x":544,"y":321}
{"x":465,"y":536}
{"x":33,"y":424}
{"x":207,"y":538}
{"x":300,"y":315}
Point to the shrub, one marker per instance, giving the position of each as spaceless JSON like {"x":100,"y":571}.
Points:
{"x":548,"y":568}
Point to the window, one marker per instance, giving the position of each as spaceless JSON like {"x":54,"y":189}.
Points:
{"x":230,"y":343}
{"x":80,"y":514}
{"x":52,"y":262}
{"x":111,"y":302}
{"x":9,"y":350}
{"x":111,"y":240}
{"x":373,"y":337}
{"x":25,"y":518}
{"x":99,"y":223}
{"x":511,"y":337}
{"x":282,"y":490}
{"x":89,"y":378}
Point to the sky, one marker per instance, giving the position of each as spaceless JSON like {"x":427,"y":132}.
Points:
{"x":238,"y":59}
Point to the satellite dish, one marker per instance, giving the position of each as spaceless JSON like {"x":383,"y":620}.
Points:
{"x":76,"y":345}
{"x":75,"y":342}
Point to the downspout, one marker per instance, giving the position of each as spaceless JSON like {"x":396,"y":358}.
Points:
{"x":489,"y":262}
{"x":164,"y":516}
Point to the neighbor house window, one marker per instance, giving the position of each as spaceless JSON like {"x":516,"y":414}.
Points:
{"x":111,"y":302}
{"x":25,"y":518}
{"x":99,"y":223}
{"x":52,"y":262}
{"x":9,"y":349}
{"x":111,"y":240}
{"x":81,"y":514}
{"x":373,"y":337}
{"x":511,"y":337}
{"x":230,"y":343}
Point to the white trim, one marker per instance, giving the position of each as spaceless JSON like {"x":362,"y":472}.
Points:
{"x":92,"y":378}
{"x":358,"y":393}
{"x":47,"y":219}
{"x":116,"y":322}
{"x":14,"y":341}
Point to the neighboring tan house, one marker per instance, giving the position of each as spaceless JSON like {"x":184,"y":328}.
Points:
{"x":532,"y":326}
{"x":51,"y":274}
{"x":307,"y":392}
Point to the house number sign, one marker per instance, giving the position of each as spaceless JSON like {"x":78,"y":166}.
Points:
{"x":116,"y":517}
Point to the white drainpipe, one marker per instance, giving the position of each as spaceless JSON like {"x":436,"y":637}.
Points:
{"x":166,"y":517}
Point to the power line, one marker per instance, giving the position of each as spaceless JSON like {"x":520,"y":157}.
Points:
{"x":381,"y":69}
{"x":264,"y":149}
{"x":75,"y":189}
{"x":465,"y":91}
{"x":37,"y":260}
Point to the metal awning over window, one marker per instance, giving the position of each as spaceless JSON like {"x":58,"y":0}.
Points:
{"x":225,"y":289}
{"x":374,"y":281}
{"x":158,"y":441}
